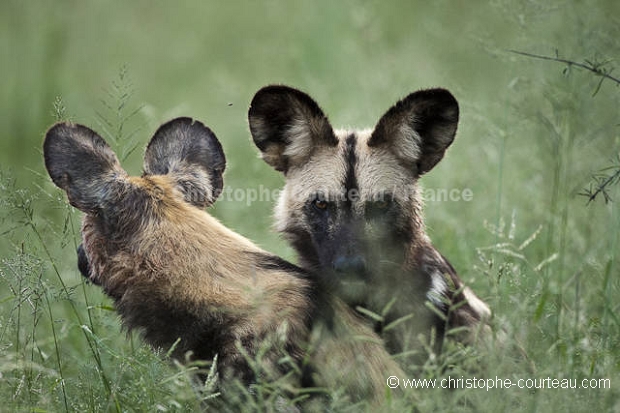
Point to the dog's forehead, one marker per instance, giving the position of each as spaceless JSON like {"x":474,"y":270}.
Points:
{"x":377,"y":169}
{"x":351,"y":165}
{"x":322,"y":173}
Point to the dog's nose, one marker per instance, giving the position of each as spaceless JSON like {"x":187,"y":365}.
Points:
{"x":352,"y":264}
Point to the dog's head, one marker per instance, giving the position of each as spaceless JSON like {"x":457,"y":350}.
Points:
{"x":350,"y":205}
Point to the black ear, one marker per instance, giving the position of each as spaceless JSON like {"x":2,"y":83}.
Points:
{"x":190,"y":152}
{"x":286,"y":125}
{"x":419,"y":128}
{"x":80,"y":162}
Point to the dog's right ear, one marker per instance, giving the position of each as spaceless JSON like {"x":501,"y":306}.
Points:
{"x":191,"y":154}
{"x":287,"y":125}
{"x":81,"y":163}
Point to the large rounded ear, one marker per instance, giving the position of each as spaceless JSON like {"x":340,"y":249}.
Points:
{"x":82,"y":164}
{"x":287,"y":125}
{"x":190,"y":152}
{"x":419,"y":128}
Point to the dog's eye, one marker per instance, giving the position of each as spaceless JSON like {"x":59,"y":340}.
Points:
{"x":383,"y":204}
{"x":376,"y":209}
{"x":320,"y":204}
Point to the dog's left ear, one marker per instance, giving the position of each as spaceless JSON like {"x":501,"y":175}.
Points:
{"x":419,"y":128}
{"x":80,"y":162}
{"x":190,"y":152}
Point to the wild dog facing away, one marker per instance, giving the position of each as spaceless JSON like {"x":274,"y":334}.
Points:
{"x":351,"y":208}
{"x":175,"y":272}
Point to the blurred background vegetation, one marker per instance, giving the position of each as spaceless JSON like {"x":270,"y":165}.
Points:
{"x":532,"y":134}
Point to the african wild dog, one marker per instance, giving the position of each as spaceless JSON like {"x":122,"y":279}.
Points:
{"x":351,"y":207}
{"x":175,"y":272}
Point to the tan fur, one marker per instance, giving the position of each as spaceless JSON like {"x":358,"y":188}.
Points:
{"x":175,"y":257}
{"x":344,"y":348}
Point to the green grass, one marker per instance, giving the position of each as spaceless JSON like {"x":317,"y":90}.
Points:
{"x":529,"y":139}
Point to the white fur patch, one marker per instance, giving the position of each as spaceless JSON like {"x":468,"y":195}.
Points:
{"x":301,"y":143}
{"x":438,"y":290}
{"x":477,"y":304}
{"x":407,"y":143}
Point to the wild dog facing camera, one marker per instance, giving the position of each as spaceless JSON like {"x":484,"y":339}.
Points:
{"x":351,"y":207}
